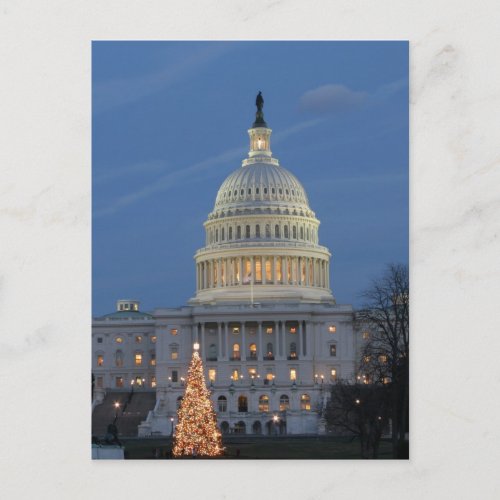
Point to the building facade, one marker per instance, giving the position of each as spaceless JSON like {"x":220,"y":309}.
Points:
{"x":272,"y":337}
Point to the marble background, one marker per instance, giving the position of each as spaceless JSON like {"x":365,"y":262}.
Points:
{"x":45,"y":260}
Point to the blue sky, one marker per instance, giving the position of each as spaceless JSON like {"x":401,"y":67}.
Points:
{"x":169,"y":123}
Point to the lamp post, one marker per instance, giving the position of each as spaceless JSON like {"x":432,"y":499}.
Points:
{"x":117,"y":407}
{"x":276,"y":420}
{"x":172,"y":428}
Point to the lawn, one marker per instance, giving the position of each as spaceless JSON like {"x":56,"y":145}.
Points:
{"x":287,"y":447}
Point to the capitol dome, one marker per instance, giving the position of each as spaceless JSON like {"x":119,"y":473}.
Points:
{"x":263,"y":233}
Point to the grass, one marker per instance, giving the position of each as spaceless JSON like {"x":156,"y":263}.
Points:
{"x":241,"y":448}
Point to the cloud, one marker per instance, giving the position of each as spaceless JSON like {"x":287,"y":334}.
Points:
{"x":117,"y":92}
{"x":179,"y":177}
{"x":388,"y":89}
{"x":129,"y":170}
{"x":331,"y":98}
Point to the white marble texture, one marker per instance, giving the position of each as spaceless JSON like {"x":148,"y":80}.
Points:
{"x":45,"y":247}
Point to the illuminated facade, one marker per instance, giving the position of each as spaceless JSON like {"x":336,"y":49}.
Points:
{"x":272,"y":336}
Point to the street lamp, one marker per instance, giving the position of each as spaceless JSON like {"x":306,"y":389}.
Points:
{"x":276,"y":420}
{"x":117,"y":407}
{"x":172,"y":424}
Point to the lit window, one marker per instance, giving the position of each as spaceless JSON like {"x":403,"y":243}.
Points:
{"x":100,"y":360}
{"x":366,"y":359}
{"x":252,"y":372}
{"x":236,"y":351}
{"x":293,"y":329}
{"x":154,"y":339}
{"x":333,"y":350}
{"x":174,"y":351}
{"x":386,"y":380}
{"x":305,"y":402}
{"x":211,"y":374}
{"x":138,"y":339}
{"x":333,"y":374}
{"x":119,"y":381}
{"x":332,"y":328}
{"x":119,"y":340}
{"x":284,"y":402}
{"x":366,"y":335}
{"x":253,"y":351}
{"x":138,"y":359}
{"x":264,"y":403}
{"x":236,"y":330}
{"x":222,"y":403}
{"x":175,"y":376}
{"x":174,"y":331}
{"x":293,"y":374}
{"x":153,"y":381}
{"x":235,"y":375}
{"x":152,"y":361}
{"x":269,"y":329}
{"x":99,"y":340}
{"x":382,"y":358}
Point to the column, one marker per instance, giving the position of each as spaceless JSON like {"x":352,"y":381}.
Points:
{"x":299,"y":339}
{"x":241,"y":271}
{"x":243,"y":342}
{"x":263,"y":262}
{"x":276,"y":351}
{"x":273,"y":271}
{"x":307,"y":271}
{"x":328,"y":275}
{"x":226,"y":340}
{"x":219,"y":273}
{"x":304,"y":339}
{"x":219,"y":343}
{"x":260,"y":348}
{"x":202,"y":343}
{"x":283,"y":340}
{"x":252,"y":269}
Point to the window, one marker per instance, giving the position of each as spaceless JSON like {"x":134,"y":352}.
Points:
{"x":119,"y":340}
{"x":216,"y":235}
{"x":235,"y":375}
{"x":212,"y":352}
{"x":269,"y":349}
{"x":333,"y":374}
{"x":152,"y":359}
{"x":99,"y":340}
{"x":138,"y":339}
{"x":286,"y":231}
{"x":178,"y":402}
{"x":293,"y":329}
{"x":230,"y":236}
{"x":153,"y":339}
{"x":276,"y":231}
{"x":174,"y":351}
{"x":305,"y":402}
{"x":175,"y":376}
{"x":268,"y":231}
{"x":138,"y":359}
{"x":119,"y":358}
{"x":100,"y":360}
{"x":236,"y":330}
{"x":265,"y":190}
{"x":382,"y":358}
{"x":222,"y":234}
{"x":211,"y":374}
{"x":333,"y":349}
{"x":264,"y":403}
{"x":280,"y":191}
{"x":252,"y":373}
{"x":366,"y":335}
{"x":247,"y":231}
{"x":99,"y":382}
{"x":273,"y":190}
{"x":269,"y":376}
{"x":153,"y":381}
{"x":301,"y":233}
{"x":236,"y":351}
{"x":174,"y":331}
{"x":269,"y":329}
{"x":242,"y":404}
{"x":253,"y":351}
{"x":294,"y":232}
{"x":257,"y":231}
{"x":119,"y":381}
{"x":284,"y":402}
{"x":293,"y":350}
{"x":293,"y":374}
{"x":238,"y":232}
{"x":332,"y":328}
{"x":222,"y":403}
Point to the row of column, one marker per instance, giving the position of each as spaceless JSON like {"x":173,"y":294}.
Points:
{"x":262,"y":270}
{"x":224,"y":348}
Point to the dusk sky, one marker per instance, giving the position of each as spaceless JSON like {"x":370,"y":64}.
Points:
{"x":170,"y":123}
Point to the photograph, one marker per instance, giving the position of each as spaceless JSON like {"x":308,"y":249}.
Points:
{"x":250,"y":250}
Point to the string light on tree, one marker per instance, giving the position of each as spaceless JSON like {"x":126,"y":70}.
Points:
{"x":196,"y":433}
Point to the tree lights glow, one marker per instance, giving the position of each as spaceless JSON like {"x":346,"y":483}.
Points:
{"x":196,"y":433}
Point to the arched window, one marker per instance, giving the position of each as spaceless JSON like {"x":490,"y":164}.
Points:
{"x":305,"y":402}
{"x":222,"y":237}
{"x":240,"y":428}
{"x":268,"y":230}
{"x":301,"y":233}
{"x":294,"y":232}
{"x":269,"y":349}
{"x":307,"y":234}
{"x":253,"y":351}
{"x":222,"y":403}
{"x":242,"y":404}
{"x":224,"y":427}
{"x":257,"y":231}
{"x":286,"y":232}
{"x":293,"y":350}
{"x":284,"y":402}
{"x":276,"y":231}
{"x":100,"y":359}
{"x":230,"y":237}
{"x":238,"y":232}
{"x":257,"y":427}
{"x":236,"y":352}
{"x":264,"y":403}
{"x":247,"y":231}
{"x":212,"y":352}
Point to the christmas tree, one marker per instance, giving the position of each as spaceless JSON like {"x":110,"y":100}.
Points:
{"x":196,"y":433}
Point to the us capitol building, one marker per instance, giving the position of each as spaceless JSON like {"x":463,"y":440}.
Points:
{"x":271,"y":335}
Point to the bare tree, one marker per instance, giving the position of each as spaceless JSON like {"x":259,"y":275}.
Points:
{"x":385,"y":353}
{"x":360,"y":410}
